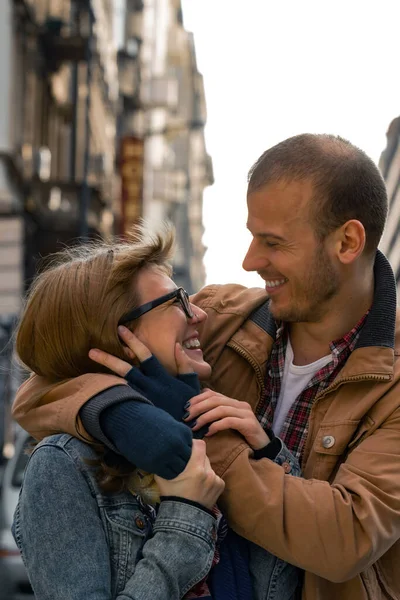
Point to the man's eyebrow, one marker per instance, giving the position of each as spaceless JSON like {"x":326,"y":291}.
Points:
{"x":267,"y":234}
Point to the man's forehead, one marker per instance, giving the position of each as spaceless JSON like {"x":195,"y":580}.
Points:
{"x":287,"y":200}
{"x":298,"y":191}
{"x":279,"y":208}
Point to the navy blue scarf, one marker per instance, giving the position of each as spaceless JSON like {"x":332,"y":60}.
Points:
{"x":230,"y":578}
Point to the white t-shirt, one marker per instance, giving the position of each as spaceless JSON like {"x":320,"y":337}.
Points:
{"x":295,"y":380}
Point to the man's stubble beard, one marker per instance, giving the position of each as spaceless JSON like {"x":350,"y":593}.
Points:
{"x":320,"y":284}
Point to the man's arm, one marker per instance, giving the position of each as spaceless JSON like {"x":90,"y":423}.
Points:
{"x":147,"y":436}
{"x":161,"y":446}
{"x":334,"y":530}
{"x":44,"y":408}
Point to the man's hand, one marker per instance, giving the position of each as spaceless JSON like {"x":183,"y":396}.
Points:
{"x":226,"y":413}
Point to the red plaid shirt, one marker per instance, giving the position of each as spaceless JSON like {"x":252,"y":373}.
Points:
{"x":295,"y":427}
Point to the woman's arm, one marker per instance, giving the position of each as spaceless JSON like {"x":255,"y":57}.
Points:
{"x":59,"y":531}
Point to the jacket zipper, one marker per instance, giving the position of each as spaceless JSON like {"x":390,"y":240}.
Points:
{"x":252,"y":362}
{"x":353,"y":378}
{"x":329,"y":389}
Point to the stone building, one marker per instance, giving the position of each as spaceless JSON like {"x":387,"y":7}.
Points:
{"x":166,"y":128}
{"x":58,"y":109}
{"x":102,"y":115}
{"x":389,"y":165}
{"x":59,"y":102}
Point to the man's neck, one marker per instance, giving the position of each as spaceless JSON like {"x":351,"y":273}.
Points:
{"x":311,"y":341}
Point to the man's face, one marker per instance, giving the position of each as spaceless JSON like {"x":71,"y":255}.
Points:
{"x":299,"y":271}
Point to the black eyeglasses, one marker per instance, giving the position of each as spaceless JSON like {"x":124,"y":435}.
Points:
{"x":180,"y":294}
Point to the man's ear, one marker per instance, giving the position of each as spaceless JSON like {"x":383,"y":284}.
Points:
{"x":349,"y":241}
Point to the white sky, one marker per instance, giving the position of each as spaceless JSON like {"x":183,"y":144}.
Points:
{"x":276,"y":68}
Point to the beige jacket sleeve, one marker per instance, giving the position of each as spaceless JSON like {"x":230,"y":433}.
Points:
{"x":44,"y":408}
{"x":333,"y":530}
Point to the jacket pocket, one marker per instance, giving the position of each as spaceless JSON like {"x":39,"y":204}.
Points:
{"x":333,"y":438}
{"x":362,"y":432}
{"x":127,"y":529}
{"x":330,"y":446}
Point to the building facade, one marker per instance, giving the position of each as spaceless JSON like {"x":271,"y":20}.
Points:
{"x":58,"y":109}
{"x":389,"y":165}
{"x":167,"y":130}
{"x":102,"y":116}
{"x":102,"y":122}
{"x":58,"y":130}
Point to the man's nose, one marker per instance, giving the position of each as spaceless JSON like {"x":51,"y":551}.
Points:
{"x":256,"y":258}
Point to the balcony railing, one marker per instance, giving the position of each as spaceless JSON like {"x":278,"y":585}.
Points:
{"x":61,"y":39}
{"x":59,"y":202}
{"x":61,"y":42}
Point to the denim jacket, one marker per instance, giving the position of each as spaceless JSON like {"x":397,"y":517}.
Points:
{"x":80,"y":543}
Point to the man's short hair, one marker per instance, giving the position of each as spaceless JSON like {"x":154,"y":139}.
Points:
{"x":346,"y":182}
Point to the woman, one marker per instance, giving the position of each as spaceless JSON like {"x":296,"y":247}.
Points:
{"x":91,"y":527}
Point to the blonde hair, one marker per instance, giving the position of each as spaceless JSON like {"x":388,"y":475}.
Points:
{"x":75,"y":303}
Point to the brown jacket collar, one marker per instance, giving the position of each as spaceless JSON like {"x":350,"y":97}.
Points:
{"x":235,"y":304}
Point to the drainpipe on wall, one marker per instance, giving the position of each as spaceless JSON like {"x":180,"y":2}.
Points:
{"x":74,"y":95}
{"x":85,"y":190}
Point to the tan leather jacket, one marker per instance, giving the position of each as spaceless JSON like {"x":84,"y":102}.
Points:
{"x":341,"y":522}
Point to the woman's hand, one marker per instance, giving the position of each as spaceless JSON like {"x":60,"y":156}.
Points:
{"x":197,"y":482}
{"x":135,"y":349}
{"x":223,"y":413}
{"x":151,"y":379}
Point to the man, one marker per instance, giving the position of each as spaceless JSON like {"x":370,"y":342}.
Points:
{"x":319,"y":365}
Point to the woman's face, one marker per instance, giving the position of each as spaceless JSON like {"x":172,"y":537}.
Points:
{"x":163,"y":326}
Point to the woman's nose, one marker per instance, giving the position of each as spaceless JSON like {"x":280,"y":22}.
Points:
{"x":199,"y":315}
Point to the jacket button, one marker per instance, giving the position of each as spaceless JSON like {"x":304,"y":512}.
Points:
{"x":286,"y":467}
{"x":139,"y":522}
{"x":328,"y":441}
